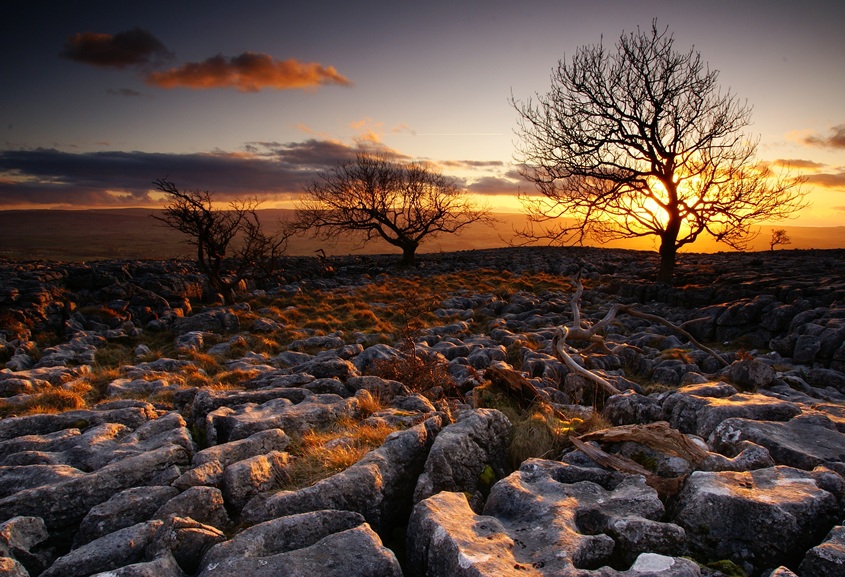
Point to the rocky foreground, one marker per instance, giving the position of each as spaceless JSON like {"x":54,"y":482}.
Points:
{"x":741,"y":463}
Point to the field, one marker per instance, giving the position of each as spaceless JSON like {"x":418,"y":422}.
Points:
{"x":82,"y":235}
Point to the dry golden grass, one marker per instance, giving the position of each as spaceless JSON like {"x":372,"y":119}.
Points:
{"x":55,"y":400}
{"x":538,"y":430}
{"x":321,"y":454}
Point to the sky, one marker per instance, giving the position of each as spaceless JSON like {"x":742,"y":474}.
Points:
{"x":252,"y":98}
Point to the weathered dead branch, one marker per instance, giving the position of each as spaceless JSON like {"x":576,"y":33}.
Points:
{"x":659,"y":436}
{"x":665,"y":486}
{"x":579,"y":330}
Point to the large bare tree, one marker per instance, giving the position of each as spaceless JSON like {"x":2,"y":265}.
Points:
{"x":231,"y":242}
{"x":642,"y":141}
{"x":376,"y":197}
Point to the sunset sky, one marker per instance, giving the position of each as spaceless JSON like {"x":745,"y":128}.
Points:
{"x":251,"y":98}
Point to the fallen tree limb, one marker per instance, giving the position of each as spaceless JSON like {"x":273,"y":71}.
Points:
{"x":659,"y":436}
{"x":665,"y":486}
{"x":579,"y":330}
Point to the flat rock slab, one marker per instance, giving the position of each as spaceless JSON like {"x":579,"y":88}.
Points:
{"x":546,"y":519}
{"x":803,"y":443}
{"x":700,"y":415}
{"x":226,"y":424}
{"x":726,"y":513}
{"x":355,"y":552}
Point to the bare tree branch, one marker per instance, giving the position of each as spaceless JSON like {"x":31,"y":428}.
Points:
{"x":375,"y":197}
{"x":643,"y":142}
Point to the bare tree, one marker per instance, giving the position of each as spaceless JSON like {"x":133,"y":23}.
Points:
{"x":779,"y":236}
{"x":643,"y":142}
{"x":374,"y":197}
{"x":231,"y":243}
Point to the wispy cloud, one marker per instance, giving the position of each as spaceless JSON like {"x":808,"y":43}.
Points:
{"x":269,"y":170}
{"x":829,"y":179}
{"x":499,"y":185}
{"x":799,"y":163}
{"x":135,"y":47}
{"x":835,"y":138}
{"x":248,"y":72}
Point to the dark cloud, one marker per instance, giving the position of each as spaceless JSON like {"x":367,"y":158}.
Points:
{"x":123,"y":92}
{"x":799,"y":163}
{"x":828,"y":180}
{"x":498,"y":185}
{"x":135,"y":47}
{"x":248,"y":72}
{"x":472,"y":163}
{"x":267,"y":170}
{"x":836,"y":139}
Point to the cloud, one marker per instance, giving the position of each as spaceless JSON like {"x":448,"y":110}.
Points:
{"x":799,"y":163}
{"x":828,"y":180}
{"x":248,"y":72}
{"x":268,"y":170}
{"x":836,"y":139}
{"x":135,"y":47}
{"x":472,"y":164}
{"x":497,"y":185}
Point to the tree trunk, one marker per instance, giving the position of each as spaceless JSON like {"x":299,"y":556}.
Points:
{"x":408,"y":253}
{"x":668,"y":250}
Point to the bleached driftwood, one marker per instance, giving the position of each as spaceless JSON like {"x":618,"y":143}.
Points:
{"x":579,"y":330}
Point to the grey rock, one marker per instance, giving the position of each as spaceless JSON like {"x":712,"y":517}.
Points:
{"x":164,"y":565}
{"x":806,"y":348}
{"x":66,"y":504}
{"x":803,"y":442}
{"x":331,"y":386}
{"x":232,"y":452}
{"x":19,"y":478}
{"x":203,"y":504}
{"x":208,"y":474}
{"x":207,"y":401}
{"x":355,"y":552}
{"x":656,"y":565}
{"x":43,"y":424}
{"x":630,"y":408}
{"x":186,"y":539}
{"x":20,"y":539}
{"x":462,"y":451}
{"x":216,"y":320}
{"x":751,"y":456}
{"x":124,"y":509}
{"x":328,"y":368}
{"x":725,"y":514}
{"x":373,"y":355}
{"x":261,"y":473}
{"x":114,"y":550}
{"x":700,"y":415}
{"x":281,"y":536}
{"x":750,"y":374}
{"x":379,"y":486}
{"x":828,"y":558}
{"x":384,"y":389}
{"x":535,"y":522}
{"x":226,"y":424}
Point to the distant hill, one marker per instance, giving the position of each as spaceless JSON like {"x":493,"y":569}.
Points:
{"x":80,"y":235}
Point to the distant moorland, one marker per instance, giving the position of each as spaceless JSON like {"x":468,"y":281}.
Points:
{"x":80,"y":235}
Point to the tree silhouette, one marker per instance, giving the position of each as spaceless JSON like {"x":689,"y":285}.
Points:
{"x":231,"y":243}
{"x":643,"y":142}
{"x":779,"y":236}
{"x":374,"y":197}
